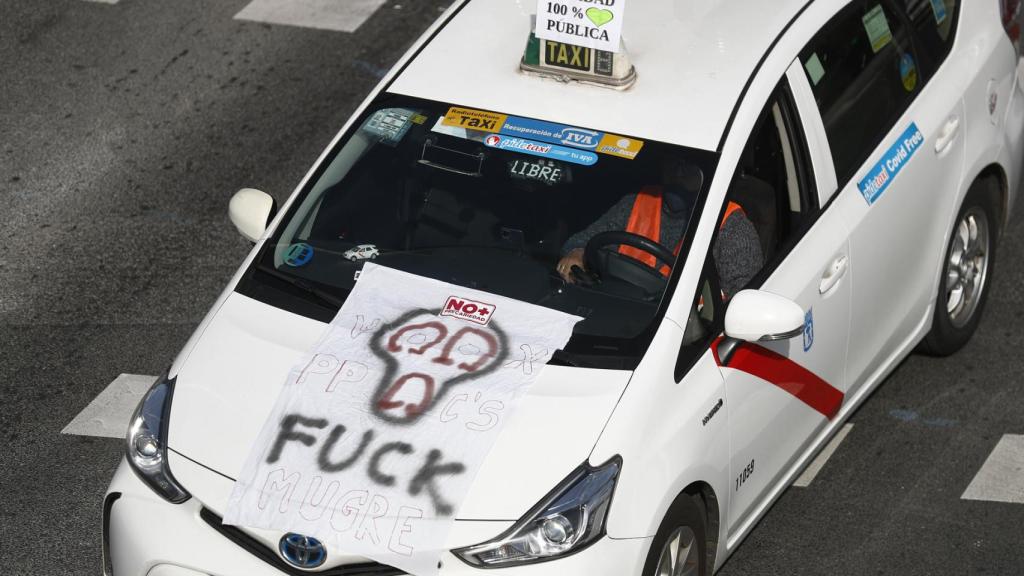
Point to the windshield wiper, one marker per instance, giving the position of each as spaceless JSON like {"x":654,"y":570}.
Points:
{"x":321,"y":295}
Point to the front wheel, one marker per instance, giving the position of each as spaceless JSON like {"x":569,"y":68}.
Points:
{"x":680,"y":547}
{"x":967,"y":273}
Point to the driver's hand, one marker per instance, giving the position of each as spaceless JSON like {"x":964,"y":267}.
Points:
{"x":574,"y":258}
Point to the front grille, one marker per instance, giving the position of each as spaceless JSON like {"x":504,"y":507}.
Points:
{"x":256,"y":548}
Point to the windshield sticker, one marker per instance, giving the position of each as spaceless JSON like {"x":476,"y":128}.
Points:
{"x":371,"y":447}
{"x":601,"y":142}
{"x":877,"y":27}
{"x":544,"y":171}
{"x":908,"y":72}
{"x":551,"y":132}
{"x":620,"y":146}
{"x":477,"y":120}
{"x":815,"y":69}
{"x":939,"y":8}
{"x":882,"y":175}
{"x":474,"y":125}
{"x":441,"y":128}
{"x":298,"y":255}
{"x":390,"y":125}
{"x":541,"y":149}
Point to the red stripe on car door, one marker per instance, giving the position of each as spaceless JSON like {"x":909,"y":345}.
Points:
{"x":786,"y":374}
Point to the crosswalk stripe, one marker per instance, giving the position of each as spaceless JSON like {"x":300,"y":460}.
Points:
{"x":337,"y":15}
{"x":108,"y":414}
{"x":815,"y":467}
{"x":1001,"y":478}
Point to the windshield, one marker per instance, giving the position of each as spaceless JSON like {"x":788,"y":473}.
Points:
{"x":564,"y":217}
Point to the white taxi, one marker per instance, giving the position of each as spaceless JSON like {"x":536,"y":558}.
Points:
{"x":362,"y":252}
{"x":757,"y":210}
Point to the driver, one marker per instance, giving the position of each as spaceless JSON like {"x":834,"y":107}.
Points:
{"x":661,"y":213}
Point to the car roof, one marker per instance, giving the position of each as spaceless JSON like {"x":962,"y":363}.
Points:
{"x":693,"y":59}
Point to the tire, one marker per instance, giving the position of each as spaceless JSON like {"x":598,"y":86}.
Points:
{"x":685,"y":521}
{"x":966,"y":273}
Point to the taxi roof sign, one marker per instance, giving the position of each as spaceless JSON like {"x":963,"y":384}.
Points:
{"x":568,"y":62}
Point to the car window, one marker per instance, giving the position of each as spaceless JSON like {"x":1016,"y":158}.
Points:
{"x":934,"y":24}
{"x":702,"y":314}
{"x":864,"y":73}
{"x":494,"y":202}
{"x":771,"y":193}
{"x":706,"y":319}
{"x":770,"y":205}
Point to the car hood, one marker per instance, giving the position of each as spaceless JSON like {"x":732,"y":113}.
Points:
{"x":227,"y":386}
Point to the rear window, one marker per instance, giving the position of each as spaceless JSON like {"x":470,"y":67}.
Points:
{"x":934,"y":23}
{"x":864,"y":72}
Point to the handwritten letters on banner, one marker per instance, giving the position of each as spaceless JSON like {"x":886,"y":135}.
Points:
{"x":362,"y":450}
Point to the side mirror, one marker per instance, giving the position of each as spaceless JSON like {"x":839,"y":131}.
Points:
{"x":250,"y":211}
{"x":755,"y":316}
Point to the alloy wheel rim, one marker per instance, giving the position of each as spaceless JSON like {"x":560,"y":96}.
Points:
{"x":680,"y":554}
{"x":967,"y":267}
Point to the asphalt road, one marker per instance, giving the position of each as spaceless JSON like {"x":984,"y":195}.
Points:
{"x":124,"y":130}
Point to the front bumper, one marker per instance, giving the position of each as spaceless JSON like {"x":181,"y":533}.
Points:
{"x":148,"y":536}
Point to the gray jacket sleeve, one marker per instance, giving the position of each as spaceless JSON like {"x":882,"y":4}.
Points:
{"x":737,"y":253}
{"x":616,"y":218}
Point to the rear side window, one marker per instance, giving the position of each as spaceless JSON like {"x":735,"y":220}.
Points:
{"x":864,"y":73}
{"x":934,"y":23}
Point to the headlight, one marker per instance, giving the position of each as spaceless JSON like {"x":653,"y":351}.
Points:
{"x":567,"y":521}
{"x":146,"y":447}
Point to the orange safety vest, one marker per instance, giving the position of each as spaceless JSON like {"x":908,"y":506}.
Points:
{"x":645,"y":220}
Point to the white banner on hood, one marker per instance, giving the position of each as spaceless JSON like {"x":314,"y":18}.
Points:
{"x":365,"y":449}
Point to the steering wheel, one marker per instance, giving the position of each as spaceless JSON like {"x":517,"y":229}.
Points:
{"x":612,"y":264}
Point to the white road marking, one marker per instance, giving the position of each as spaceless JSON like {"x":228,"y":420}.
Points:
{"x":1001,"y":478}
{"x":337,"y":15}
{"x":815,"y":467}
{"x":108,"y":414}
{"x":104,"y":1}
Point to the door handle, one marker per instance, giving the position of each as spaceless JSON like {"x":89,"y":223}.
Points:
{"x":948,"y":135}
{"x":834,"y":273}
